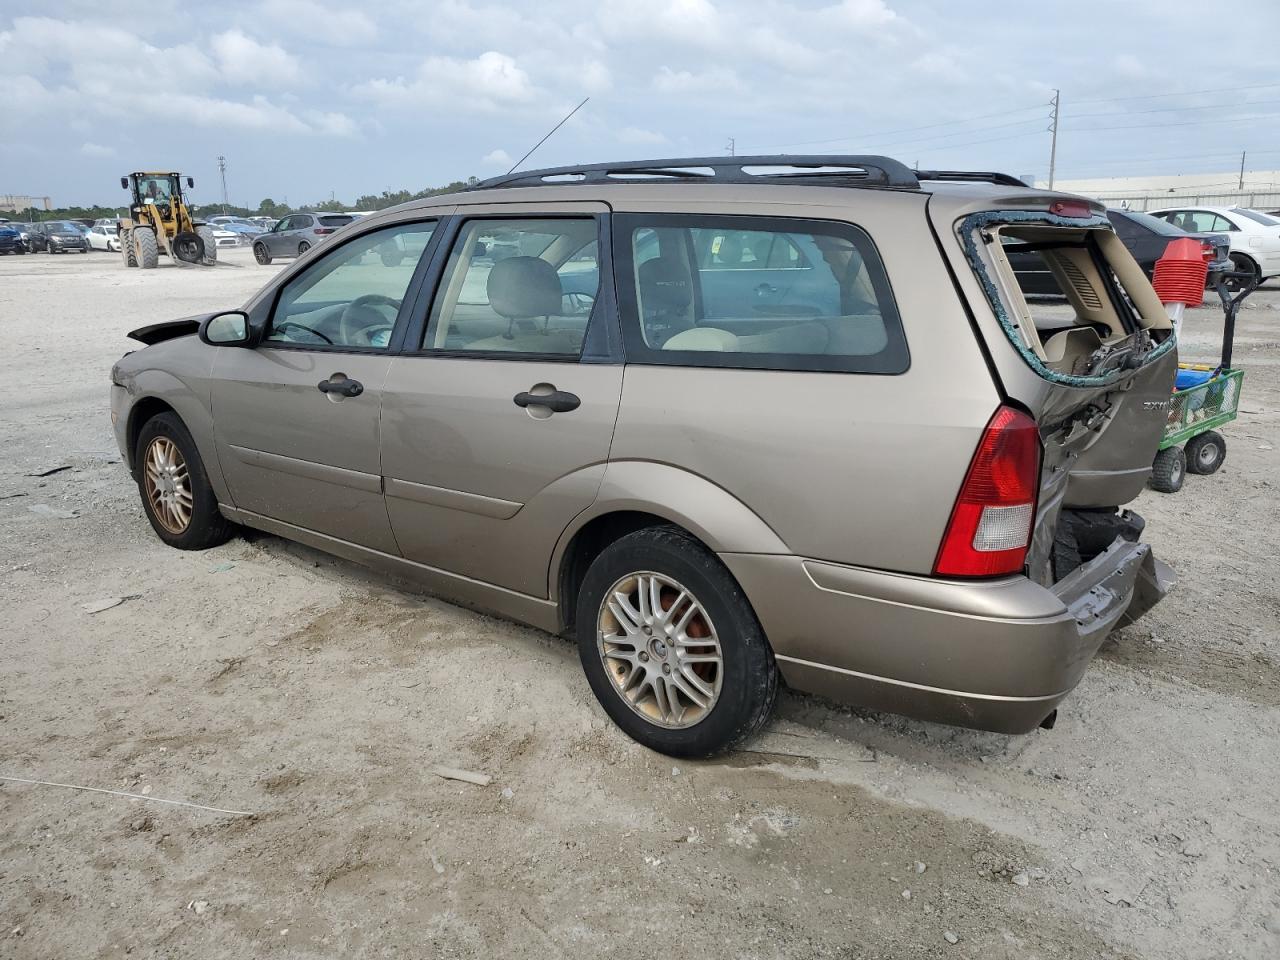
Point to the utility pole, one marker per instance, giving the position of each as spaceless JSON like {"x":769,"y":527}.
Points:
{"x":222,"y":171}
{"x":731,"y":147}
{"x":1241,"y":185}
{"x":1053,"y":143}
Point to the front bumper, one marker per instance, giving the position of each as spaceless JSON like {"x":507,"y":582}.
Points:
{"x":995,"y":655}
{"x":120,"y":419}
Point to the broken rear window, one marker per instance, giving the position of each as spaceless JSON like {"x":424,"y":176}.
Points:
{"x":1070,"y":296}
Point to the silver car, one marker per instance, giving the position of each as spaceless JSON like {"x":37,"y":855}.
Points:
{"x":297,"y":233}
{"x":727,"y":421}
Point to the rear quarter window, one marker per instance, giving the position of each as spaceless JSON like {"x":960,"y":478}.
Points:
{"x":755,"y":292}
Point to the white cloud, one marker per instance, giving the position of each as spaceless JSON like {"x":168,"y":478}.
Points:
{"x":863,"y":13}
{"x":497,"y":158}
{"x":712,"y":81}
{"x":693,"y":22}
{"x":337,"y":25}
{"x":331,"y":124}
{"x":639,"y":135}
{"x":490,"y":81}
{"x":244,"y":60}
{"x":96,"y":150}
{"x":940,"y":65}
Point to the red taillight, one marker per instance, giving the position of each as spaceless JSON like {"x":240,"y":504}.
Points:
{"x":321,"y":231}
{"x":1071,"y":208}
{"x":1206,"y":249}
{"x":990,"y":526}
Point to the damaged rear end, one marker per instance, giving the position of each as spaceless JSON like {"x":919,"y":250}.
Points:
{"x":1091,"y":369}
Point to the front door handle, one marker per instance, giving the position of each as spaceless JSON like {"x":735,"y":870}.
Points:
{"x":341,"y":385}
{"x":557,"y":401}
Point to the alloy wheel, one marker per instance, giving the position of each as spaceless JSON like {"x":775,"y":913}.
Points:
{"x":660,"y":649}
{"x":167,"y":484}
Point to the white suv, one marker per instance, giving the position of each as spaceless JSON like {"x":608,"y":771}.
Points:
{"x":1255,"y":237}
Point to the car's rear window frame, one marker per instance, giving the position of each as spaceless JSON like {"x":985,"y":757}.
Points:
{"x":967,"y":229}
{"x":893,"y":360}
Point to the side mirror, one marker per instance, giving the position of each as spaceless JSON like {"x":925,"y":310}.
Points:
{"x":227,"y":329}
{"x":191,"y":184}
{"x":124,"y":183}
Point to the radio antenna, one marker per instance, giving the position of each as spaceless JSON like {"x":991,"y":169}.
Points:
{"x":549,"y":132}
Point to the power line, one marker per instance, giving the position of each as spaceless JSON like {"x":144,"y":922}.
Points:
{"x":1179,"y":123}
{"x":886,"y":133}
{"x":1185,"y":93}
{"x":1134,"y":113}
{"x":954,"y":133}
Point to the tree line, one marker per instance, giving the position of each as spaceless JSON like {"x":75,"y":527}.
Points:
{"x":266,"y":208}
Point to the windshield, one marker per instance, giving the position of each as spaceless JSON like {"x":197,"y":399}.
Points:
{"x":64,"y":226}
{"x":336,"y":221}
{"x":1265,"y":219}
{"x":1155,"y":224}
{"x":158,"y":189}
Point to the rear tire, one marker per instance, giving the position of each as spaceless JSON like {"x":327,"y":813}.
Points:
{"x":127,"y":249}
{"x":210,"y":244}
{"x":1169,"y":470}
{"x":145,"y":249}
{"x":744,"y":678}
{"x":1243,"y":264}
{"x":1206,"y":452}
{"x":198,"y":525}
{"x":303,"y":247}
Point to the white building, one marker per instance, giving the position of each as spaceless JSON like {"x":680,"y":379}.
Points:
{"x":1261,"y":190}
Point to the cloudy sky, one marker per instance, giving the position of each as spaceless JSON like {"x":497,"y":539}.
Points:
{"x":309,"y":97}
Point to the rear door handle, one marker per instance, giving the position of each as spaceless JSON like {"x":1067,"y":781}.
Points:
{"x":557,"y":401}
{"x":343,"y":387}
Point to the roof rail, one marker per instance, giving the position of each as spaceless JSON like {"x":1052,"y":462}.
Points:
{"x":832,"y":170}
{"x":974,"y":176}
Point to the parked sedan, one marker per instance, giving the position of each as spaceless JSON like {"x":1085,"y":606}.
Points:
{"x":1145,"y":236}
{"x":297,"y":233}
{"x":63,"y":236}
{"x":1255,"y":237}
{"x":104,"y":238}
{"x":11,"y":239}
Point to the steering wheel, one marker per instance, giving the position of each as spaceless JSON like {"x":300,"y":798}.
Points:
{"x":359,"y":318}
{"x":280,"y":328}
{"x":578,"y":304}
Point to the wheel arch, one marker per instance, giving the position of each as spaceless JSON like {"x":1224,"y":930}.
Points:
{"x":144,"y":409}
{"x":638,"y":494}
{"x":159,"y":391}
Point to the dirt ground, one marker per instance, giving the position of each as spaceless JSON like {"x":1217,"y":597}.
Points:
{"x":268,"y":678}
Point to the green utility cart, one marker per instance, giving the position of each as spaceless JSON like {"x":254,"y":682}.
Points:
{"x":1205,"y":397}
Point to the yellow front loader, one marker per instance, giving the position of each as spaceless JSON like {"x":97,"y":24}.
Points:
{"x":159,"y":222}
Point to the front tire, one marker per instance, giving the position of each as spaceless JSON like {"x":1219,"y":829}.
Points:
{"x":671,"y":647}
{"x":175,"y":490}
{"x":261,"y":253}
{"x":1169,"y":470}
{"x":145,"y":249}
{"x":210,"y":244}
{"x":1206,"y":452}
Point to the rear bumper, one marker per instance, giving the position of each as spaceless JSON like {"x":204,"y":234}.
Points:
{"x":996,"y":655}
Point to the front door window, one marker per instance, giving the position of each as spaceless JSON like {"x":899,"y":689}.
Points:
{"x":352,"y":297}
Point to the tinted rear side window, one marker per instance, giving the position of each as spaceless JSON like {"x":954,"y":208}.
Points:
{"x":755,"y":292}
